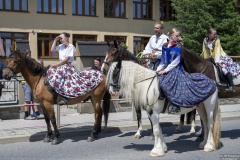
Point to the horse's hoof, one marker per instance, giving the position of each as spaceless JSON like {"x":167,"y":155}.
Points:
{"x":192,"y":133}
{"x":46,"y":140}
{"x":201,"y":145}
{"x":137,"y":136}
{"x":90,"y":139}
{"x":177,"y":130}
{"x":152,"y":137}
{"x":55,"y":142}
{"x":209,"y":147}
{"x":156,"y":153}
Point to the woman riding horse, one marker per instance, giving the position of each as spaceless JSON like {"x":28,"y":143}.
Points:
{"x":181,"y":88}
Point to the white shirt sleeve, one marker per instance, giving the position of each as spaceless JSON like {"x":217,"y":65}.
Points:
{"x":173,"y":64}
{"x":160,"y":67}
{"x":148,"y":48}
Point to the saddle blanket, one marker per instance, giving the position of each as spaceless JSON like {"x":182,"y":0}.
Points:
{"x":70,"y":83}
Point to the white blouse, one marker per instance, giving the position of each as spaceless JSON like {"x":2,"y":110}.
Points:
{"x":66,"y":52}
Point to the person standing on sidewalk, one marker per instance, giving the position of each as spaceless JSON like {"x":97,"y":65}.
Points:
{"x":28,"y":97}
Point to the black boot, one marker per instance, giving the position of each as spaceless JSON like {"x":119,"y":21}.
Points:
{"x":161,"y":94}
{"x":230,"y":82}
{"x":174,"y":109}
{"x":63,"y":101}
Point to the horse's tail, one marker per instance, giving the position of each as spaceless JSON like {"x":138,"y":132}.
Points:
{"x":106,"y":106}
{"x":217,"y":126}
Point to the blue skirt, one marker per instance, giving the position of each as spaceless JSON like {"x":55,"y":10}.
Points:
{"x":184,"y":89}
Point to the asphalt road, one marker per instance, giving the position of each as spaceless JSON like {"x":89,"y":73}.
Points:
{"x":123,"y":146}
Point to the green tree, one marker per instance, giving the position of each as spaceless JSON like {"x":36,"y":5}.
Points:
{"x":194,"y":17}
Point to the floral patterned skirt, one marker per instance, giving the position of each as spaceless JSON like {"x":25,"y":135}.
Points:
{"x":68,"y":82}
{"x":184,"y":89}
{"x":229,"y":66}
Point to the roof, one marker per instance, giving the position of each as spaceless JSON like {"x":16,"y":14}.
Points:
{"x":21,"y":45}
{"x":92,"y":48}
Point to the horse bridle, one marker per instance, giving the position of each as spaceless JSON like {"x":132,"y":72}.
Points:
{"x":116,"y":58}
{"x":15,"y":69}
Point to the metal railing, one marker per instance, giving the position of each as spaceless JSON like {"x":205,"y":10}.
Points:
{"x":9,"y":92}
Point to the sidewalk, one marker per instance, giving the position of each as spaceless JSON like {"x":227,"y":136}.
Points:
{"x":75,"y":124}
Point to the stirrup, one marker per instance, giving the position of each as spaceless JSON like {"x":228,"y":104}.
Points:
{"x":63,"y":101}
{"x":230,"y":89}
{"x":174,"y":109}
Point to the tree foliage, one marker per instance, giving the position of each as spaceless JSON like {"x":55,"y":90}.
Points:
{"x":195,"y":17}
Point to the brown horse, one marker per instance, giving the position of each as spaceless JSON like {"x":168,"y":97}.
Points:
{"x":193,"y":63}
{"x":115,"y":53}
{"x":33,"y":72}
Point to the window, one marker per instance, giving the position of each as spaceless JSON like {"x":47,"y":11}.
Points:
{"x":9,"y":38}
{"x":44,"y":44}
{"x":84,"y":7}
{"x":139,"y":44}
{"x":119,"y":39}
{"x":14,"y":5}
{"x":166,"y":10}
{"x":50,"y":6}
{"x":79,"y":37}
{"x":114,"y":8}
{"x":142,"y":9}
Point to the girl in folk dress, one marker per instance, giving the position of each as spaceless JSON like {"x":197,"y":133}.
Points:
{"x":64,"y":78}
{"x":181,"y":88}
{"x":212,"y":49}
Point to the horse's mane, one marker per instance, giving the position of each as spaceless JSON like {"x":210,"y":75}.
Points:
{"x":134,"y":77}
{"x":124,"y":52}
{"x":30,"y":63}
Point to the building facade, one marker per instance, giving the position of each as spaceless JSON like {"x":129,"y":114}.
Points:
{"x":40,"y":21}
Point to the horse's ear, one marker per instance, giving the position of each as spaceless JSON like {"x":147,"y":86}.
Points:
{"x":108,"y":44}
{"x":115,"y":44}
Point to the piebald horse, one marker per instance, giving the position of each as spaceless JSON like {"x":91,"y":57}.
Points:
{"x":141,"y":86}
{"x":115,"y":53}
{"x":33,"y":73}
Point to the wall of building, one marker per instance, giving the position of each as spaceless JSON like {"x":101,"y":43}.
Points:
{"x":34,"y":23}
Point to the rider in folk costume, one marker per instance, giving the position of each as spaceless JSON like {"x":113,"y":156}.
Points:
{"x":212,"y":49}
{"x":181,"y":88}
{"x":64,"y":78}
{"x":154,"y":47}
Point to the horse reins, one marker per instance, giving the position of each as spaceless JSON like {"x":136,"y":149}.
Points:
{"x":148,"y":86}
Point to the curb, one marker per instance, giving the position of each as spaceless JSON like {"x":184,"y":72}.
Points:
{"x":74,"y":132}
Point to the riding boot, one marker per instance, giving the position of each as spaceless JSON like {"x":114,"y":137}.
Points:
{"x":161,"y":94}
{"x":174,"y":109}
{"x":230,"y":82}
{"x":63,"y":101}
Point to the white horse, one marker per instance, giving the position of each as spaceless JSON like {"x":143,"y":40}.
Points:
{"x":141,"y":85}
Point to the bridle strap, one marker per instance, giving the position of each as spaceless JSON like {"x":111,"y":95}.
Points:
{"x":14,"y":70}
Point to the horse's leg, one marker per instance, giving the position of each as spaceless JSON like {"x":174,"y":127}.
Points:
{"x":49,"y":115}
{"x":202,"y":112}
{"x":139,"y":120}
{"x":96,"y":102}
{"x":213,"y":119}
{"x":192,"y":116}
{"x":201,"y":136}
{"x":49,"y":129}
{"x":106,"y":107}
{"x":160,"y":147}
{"x":181,"y":124}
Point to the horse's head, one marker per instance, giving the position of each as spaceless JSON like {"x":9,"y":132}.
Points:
{"x":113,"y":54}
{"x":14,"y":66}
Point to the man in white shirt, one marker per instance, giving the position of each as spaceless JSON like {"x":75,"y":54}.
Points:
{"x":154,"y":47}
